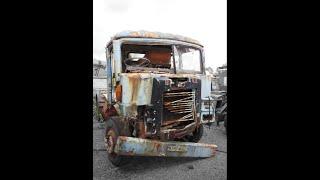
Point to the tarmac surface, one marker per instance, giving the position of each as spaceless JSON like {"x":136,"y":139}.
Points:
{"x":163,"y":167}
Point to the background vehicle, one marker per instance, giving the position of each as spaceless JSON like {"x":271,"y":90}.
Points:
{"x":219,"y":94}
{"x":220,"y":99}
{"x":158,"y":96}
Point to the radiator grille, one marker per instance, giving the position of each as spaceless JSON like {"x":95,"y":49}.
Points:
{"x":179,"y":106}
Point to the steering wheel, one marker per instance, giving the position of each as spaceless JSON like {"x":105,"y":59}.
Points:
{"x":142,"y":62}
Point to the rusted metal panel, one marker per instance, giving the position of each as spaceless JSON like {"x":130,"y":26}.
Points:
{"x":130,"y":146}
{"x":137,"y":88}
{"x":160,"y":57}
{"x":180,"y":107}
{"x":151,"y":41}
{"x":156,"y":35}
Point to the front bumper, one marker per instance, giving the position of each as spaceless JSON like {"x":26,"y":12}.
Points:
{"x":130,"y":146}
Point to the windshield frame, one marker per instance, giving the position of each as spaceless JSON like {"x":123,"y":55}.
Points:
{"x":173,"y":43}
{"x":175,"y":50}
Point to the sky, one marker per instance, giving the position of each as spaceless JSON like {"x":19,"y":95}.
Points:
{"x":203,"y":20}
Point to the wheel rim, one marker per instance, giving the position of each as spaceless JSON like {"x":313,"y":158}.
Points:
{"x":110,"y":141}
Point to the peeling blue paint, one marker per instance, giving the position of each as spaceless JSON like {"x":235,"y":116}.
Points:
{"x":143,"y":147}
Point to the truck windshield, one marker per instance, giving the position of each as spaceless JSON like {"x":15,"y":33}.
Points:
{"x":147,"y":58}
{"x":159,"y":58}
{"x":187,"y":59}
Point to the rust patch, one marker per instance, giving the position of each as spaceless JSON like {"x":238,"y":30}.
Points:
{"x":159,"y":57}
{"x":134,"y":34}
{"x":119,"y":93}
{"x":157,"y":145}
{"x":151,"y":35}
{"x":141,"y":129}
{"x":134,"y":82}
{"x":143,"y":147}
{"x":108,"y":111}
{"x":123,"y":138}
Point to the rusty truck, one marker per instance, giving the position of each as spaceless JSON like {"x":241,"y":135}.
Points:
{"x":158,"y":97}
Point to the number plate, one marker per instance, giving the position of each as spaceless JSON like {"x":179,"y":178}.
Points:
{"x":177,"y":148}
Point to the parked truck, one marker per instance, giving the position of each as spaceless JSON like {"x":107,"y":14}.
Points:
{"x":158,"y":97}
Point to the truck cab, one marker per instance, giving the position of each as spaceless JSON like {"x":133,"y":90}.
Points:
{"x":157,"y":89}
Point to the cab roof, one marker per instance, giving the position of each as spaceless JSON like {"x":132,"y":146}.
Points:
{"x":153,"y":35}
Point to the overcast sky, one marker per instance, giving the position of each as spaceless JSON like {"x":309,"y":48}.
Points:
{"x":203,"y":20}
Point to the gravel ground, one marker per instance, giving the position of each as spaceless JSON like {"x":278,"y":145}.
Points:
{"x":163,"y":167}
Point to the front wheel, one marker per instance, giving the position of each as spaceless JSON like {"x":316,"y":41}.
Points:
{"x":197,"y":134}
{"x":111,"y":136}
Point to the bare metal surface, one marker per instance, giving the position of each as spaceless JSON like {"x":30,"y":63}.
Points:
{"x":137,"y":88}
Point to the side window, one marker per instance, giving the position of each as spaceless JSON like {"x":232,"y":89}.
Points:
{"x":191,"y":60}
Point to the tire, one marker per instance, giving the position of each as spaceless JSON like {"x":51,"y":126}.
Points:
{"x":113,"y":131}
{"x":197,"y":134}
